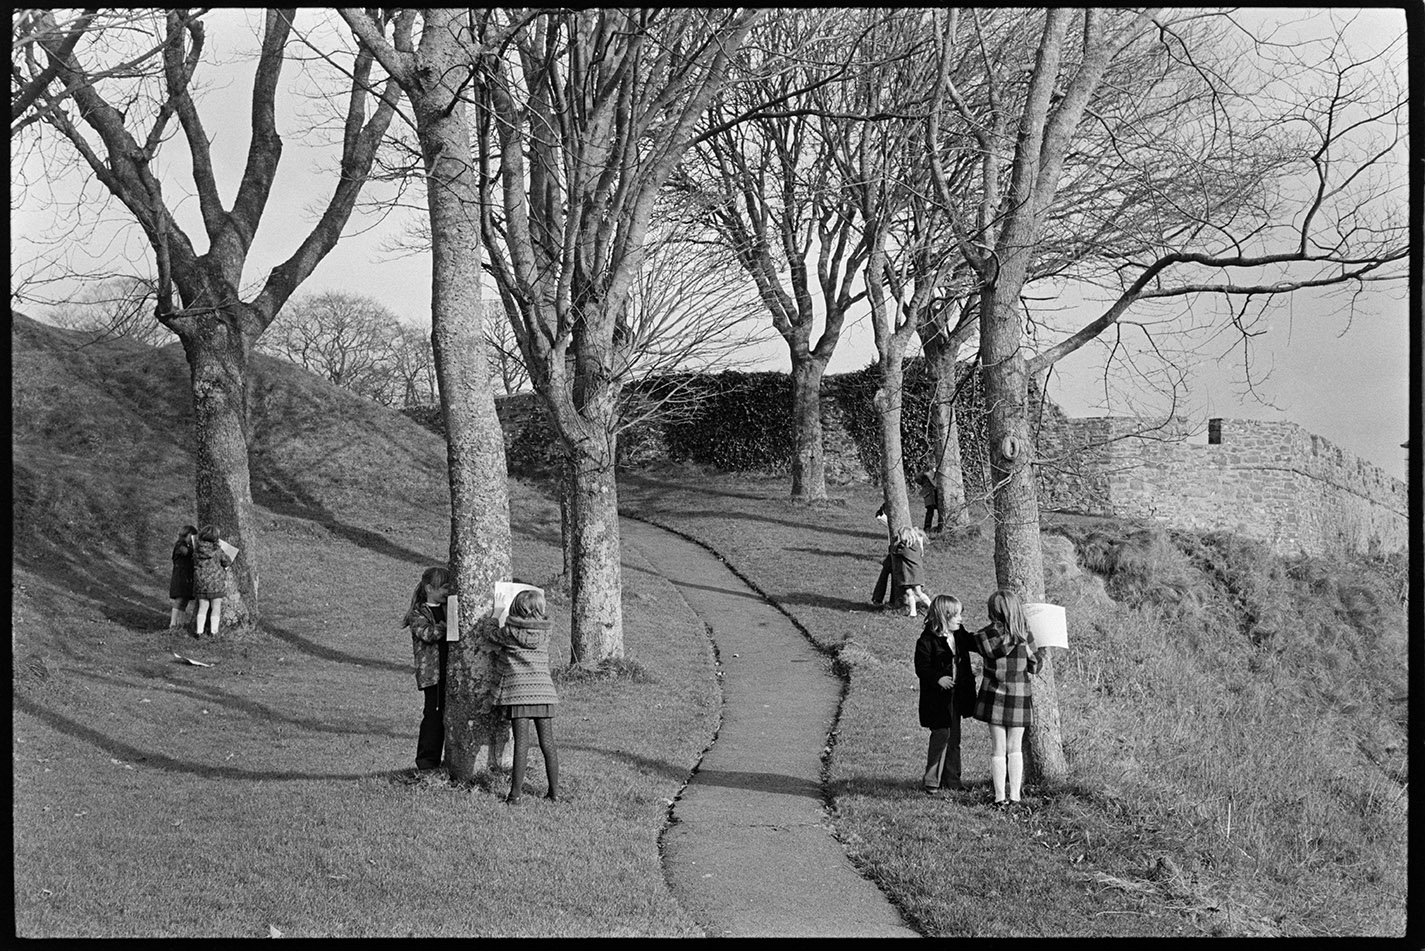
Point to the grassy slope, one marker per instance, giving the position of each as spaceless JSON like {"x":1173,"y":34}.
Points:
{"x":1235,"y":726}
{"x":156,"y":798}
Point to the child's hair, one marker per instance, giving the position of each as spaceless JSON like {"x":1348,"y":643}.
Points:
{"x":185,"y":531}
{"x":910,"y":537}
{"x":528,"y":604}
{"x":436,"y":575}
{"x":209,"y":534}
{"x":927,"y":477}
{"x":942,"y":609}
{"x":1007,"y":613}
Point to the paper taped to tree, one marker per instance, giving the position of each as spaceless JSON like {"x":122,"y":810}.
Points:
{"x":452,"y":618}
{"x":228,"y":549}
{"x":1048,"y":626}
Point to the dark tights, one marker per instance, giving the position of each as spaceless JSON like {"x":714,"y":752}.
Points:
{"x":544,"y":731}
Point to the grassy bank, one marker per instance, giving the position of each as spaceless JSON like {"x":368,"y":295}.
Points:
{"x":263,"y":794}
{"x":1234,"y":725}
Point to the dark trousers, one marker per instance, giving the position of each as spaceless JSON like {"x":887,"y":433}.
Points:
{"x":883,"y":582}
{"x":544,"y":730}
{"x":431,"y":741}
{"x":942,"y":758}
{"x":931,"y":512}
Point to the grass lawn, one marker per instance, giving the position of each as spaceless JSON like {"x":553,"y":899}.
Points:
{"x":1166,"y":827}
{"x":154,"y":798}
{"x":1229,"y":776}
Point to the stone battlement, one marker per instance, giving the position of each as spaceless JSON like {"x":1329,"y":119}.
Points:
{"x":1269,"y":480}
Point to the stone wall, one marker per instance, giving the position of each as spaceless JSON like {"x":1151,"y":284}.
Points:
{"x":1268,"y":480}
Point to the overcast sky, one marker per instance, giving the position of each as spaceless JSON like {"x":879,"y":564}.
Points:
{"x":1347,"y":381}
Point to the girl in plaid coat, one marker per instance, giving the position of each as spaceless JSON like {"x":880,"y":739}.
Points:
{"x":526,"y":690}
{"x":1005,"y":701}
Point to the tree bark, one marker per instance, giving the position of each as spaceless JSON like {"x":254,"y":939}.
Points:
{"x":949,"y":475}
{"x":479,"y":494}
{"x":597,"y":613}
{"x":888,"y":400}
{"x":218,"y":369}
{"x":809,"y":450}
{"x":1019,"y":564}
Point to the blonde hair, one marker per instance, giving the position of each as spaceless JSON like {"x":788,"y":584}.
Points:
{"x":910,"y":537}
{"x":942,"y":609}
{"x":1007,"y":613}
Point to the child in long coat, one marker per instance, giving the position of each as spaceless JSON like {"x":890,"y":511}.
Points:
{"x":942,"y":665}
{"x":907,"y":574}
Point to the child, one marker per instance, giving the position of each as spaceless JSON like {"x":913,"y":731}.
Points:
{"x":941,"y":664}
{"x":210,"y":564}
{"x":526,"y":691}
{"x":931,"y":495}
{"x":426,"y":619}
{"x":180,"y":583}
{"x":907,"y":578}
{"x":1005,"y":701}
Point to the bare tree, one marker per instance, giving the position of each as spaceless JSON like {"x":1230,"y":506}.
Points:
{"x":414,"y":367}
{"x":585,"y":115}
{"x":214,"y":322}
{"x":762,"y":177}
{"x":503,"y":349}
{"x":32,"y":76}
{"x":1239,"y":169}
{"x":119,"y":307}
{"x":349,"y":339}
{"x":437,"y":70}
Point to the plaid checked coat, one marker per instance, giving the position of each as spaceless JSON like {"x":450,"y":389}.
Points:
{"x":1004,"y":697}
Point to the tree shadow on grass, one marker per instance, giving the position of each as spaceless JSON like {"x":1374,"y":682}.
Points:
{"x":308,"y":646}
{"x":758,"y":782}
{"x":642,"y":762}
{"x":128,"y":753}
{"x":817,"y":599}
{"x":215,"y":695}
{"x":671,"y":518}
{"x":288,"y":499}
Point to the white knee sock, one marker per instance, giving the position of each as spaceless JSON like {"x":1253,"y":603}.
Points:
{"x":997,"y":771}
{"x":1014,"y":767}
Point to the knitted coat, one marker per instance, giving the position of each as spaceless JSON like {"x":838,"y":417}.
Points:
{"x":523,"y":665}
{"x":180,"y":583}
{"x":210,"y":577}
{"x":1005,"y":696}
{"x":427,"y":624}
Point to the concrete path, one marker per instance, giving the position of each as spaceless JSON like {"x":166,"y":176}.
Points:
{"x":750,"y":853}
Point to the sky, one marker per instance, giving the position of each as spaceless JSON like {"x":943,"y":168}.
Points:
{"x":1341,"y":376}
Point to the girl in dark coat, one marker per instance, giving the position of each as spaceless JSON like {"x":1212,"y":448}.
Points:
{"x":1005,"y":701}
{"x":426,"y":621}
{"x":210,"y":578}
{"x":180,"y":583}
{"x":942,"y":665}
{"x":907,"y":575}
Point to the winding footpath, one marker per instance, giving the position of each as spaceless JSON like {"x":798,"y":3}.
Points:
{"x":750,"y":853}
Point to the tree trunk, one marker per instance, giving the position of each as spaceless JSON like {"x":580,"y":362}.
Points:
{"x":888,"y":401}
{"x":479,"y":492}
{"x":949,"y":477}
{"x":218,"y":367}
{"x":1019,"y":563}
{"x":596,"y":628}
{"x":809,"y":450}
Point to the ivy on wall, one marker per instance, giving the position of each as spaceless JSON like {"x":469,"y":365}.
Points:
{"x":742,"y":422}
